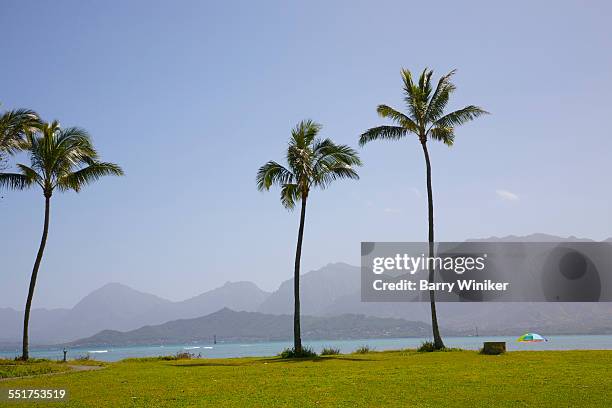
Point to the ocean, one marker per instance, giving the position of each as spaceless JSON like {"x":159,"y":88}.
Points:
{"x":261,"y":349}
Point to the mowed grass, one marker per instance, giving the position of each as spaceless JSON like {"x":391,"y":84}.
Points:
{"x":14,"y":368}
{"x":399,"y":379}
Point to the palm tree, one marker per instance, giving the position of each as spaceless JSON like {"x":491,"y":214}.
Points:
{"x":312,"y":162}
{"x":62,"y":159}
{"x":425,"y":118}
{"x":14,"y":124}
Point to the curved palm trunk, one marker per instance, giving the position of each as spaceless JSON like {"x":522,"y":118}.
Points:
{"x":297,"y":336}
{"x":39,"y":255}
{"x":438,"y":344}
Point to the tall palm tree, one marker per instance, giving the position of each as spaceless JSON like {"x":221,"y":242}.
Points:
{"x":14,"y":124}
{"x":426,"y":119}
{"x":312,"y":162}
{"x":62,"y":159}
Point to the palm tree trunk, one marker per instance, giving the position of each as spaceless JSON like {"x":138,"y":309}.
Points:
{"x":39,"y":255}
{"x":438,"y":344}
{"x":297,"y":336}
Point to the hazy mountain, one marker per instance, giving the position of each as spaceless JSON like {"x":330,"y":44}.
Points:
{"x":537,"y":237}
{"x":240,"y":296}
{"x":318,"y":290}
{"x":119,"y":307}
{"x":229,"y":325}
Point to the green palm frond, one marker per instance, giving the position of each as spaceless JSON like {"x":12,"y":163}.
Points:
{"x":440,"y":97}
{"x":443,"y":134}
{"x":30,"y":173}
{"x":77,"y":141}
{"x":271,"y":174}
{"x":382,"y":133}
{"x":461,"y":116}
{"x":14,"y":125}
{"x":411,"y":95}
{"x":327,"y":150}
{"x":333,"y":162}
{"x":305,"y":132}
{"x":290,"y":194}
{"x":87,"y":175}
{"x":398,"y":117}
{"x":335,"y":172}
{"x":15,"y":181}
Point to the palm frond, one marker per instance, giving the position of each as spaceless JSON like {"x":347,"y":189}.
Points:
{"x":443,"y":134}
{"x":417,"y":95}
{"x":290,"y":194}
{"x":440,"y":97}
{"x":334,"y":172}
{"x":31,"y":174}
{"x":333,"y":162}
{"x":411,"y":94}
{"x":459,"y":117}
{"x":326,"y":150}
{"x":305,"y":132}
{"x":273,"y":173}
{"x":398,"y":117}
{"x":14,"y":126}
{"x":382,"y":133}
{"x":87,"y":175}
{"x":425,"y":83}
{"x":15,"y":181}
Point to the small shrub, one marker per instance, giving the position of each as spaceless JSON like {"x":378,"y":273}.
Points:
{"x":83,"y":357}
{"x":330,"y":351}
{"x":181,"y":355}
{"x":185,"y":355}
{"x":363,"y":350}
{"x":427,"y":347}
{"x":307,"y":352}
{"x":167,"y":358}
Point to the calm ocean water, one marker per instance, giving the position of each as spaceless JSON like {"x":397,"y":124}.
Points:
{"x":256,"y":349}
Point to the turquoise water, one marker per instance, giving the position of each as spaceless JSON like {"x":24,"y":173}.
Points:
{"x":255,"y":349}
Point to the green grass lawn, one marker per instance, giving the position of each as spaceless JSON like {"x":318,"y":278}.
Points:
{"x":399,"y":378}
{"x":12,"y":368}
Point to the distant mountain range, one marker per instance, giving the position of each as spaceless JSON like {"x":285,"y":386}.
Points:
{"x":119,"y":307}
{"x":230,"y":326}
{"x":331,"y":291}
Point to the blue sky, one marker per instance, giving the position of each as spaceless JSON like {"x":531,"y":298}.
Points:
{"x":192,"y":97}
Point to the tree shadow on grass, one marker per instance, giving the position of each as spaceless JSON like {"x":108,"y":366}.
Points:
{"x":206,"y":364}
{"x":270,"y":361}
{"x":312,"y":359}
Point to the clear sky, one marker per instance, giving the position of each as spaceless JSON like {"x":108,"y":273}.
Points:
{"x":191,"y":97}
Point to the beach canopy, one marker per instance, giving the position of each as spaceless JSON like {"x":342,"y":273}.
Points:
{"x":531,"y":337}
